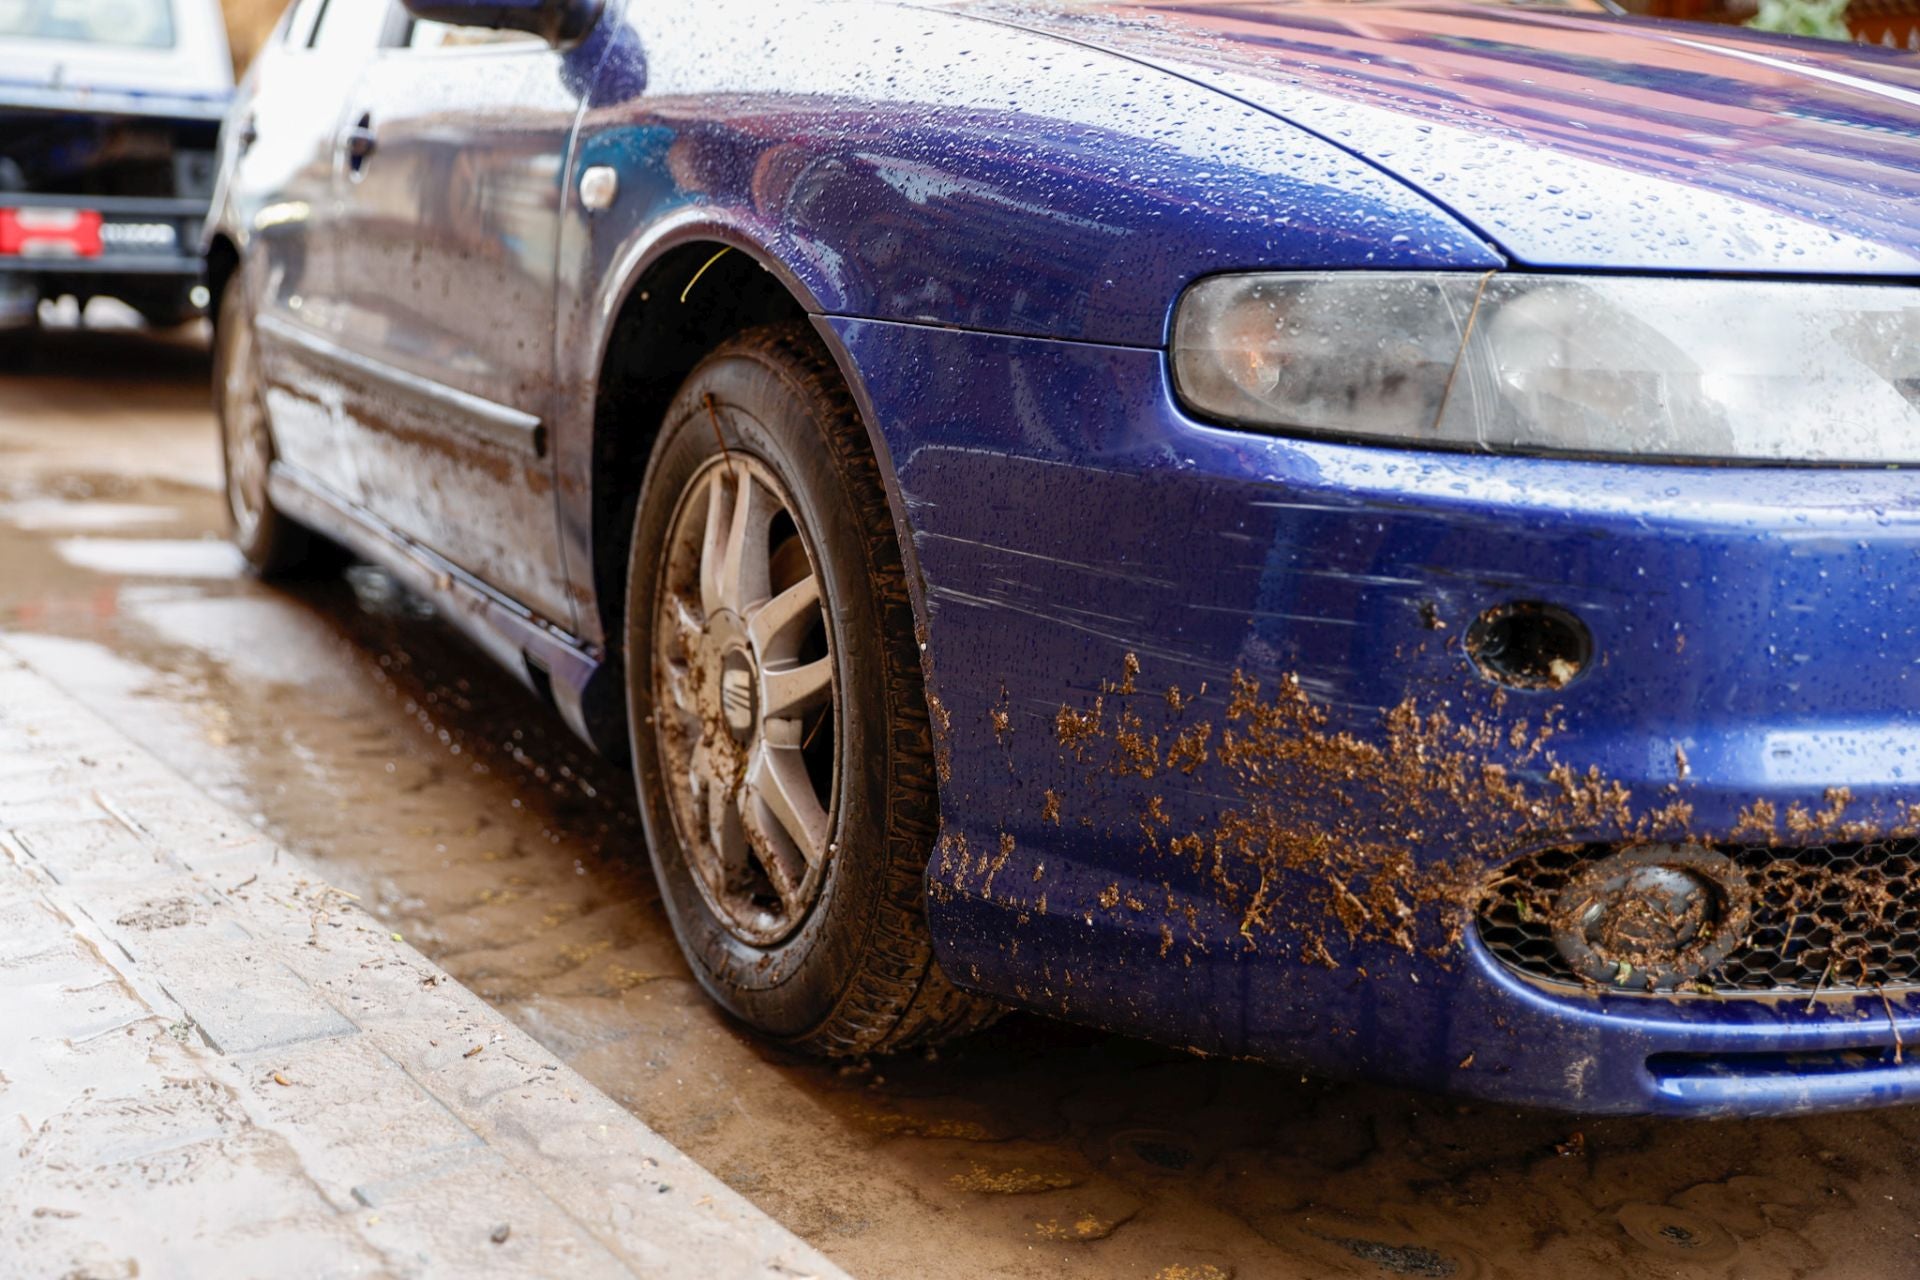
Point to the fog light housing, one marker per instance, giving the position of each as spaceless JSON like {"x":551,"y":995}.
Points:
{"x":1652,"y":917}
{"x":1527,"y":644}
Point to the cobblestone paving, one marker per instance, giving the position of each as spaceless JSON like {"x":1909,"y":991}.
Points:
{"x":215,"y":1064}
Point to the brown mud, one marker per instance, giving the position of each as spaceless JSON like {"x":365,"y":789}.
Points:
{"x":360,"y":730}
{"x":1325,"y":837}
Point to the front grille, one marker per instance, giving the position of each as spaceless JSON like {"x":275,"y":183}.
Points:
{"x":1825,"y":917}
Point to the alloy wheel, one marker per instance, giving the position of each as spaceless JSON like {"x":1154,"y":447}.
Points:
{"x":746,"y":699}
{"x":249,"y":450}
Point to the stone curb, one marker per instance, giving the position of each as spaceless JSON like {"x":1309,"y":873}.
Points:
{"x":212,"y":1063}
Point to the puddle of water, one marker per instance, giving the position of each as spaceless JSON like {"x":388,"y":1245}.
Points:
{"x":88,"y":669}
{"x":154,"y":557}
{"x":178,"y":723}
{"x":255,"y":640}
{"x":378,"y":592}
{"x":63,"y":515}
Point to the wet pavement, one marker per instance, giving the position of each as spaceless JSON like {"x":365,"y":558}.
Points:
{"x":355,"y":728}
{"x":217,"y":1064}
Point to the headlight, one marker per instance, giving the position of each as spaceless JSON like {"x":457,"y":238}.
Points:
{"x":1682,"y":368}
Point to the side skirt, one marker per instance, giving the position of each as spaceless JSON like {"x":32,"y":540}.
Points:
{"x":582,"y":684}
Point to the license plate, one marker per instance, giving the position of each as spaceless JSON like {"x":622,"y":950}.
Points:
{"x":139,"y":237}
{"x":49,"y":233}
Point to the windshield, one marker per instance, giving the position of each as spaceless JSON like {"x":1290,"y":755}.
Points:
{"x":142,"y":24}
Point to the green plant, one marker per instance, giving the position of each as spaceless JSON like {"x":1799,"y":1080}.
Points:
{"x":1826,"y":19}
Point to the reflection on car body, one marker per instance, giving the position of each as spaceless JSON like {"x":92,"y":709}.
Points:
{"x":1301,"y":530}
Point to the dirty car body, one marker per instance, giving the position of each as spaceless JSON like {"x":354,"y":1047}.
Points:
{"x":1534,"y":719}
{"x":108,"y":120}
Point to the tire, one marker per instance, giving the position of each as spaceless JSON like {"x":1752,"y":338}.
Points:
{"x":17,"y":345}
{"x":19,"y":328}
{"x":164,"y":317}
{"x":273,"y":544}
{"x":164,"y":308}
{"x":847,"y":967}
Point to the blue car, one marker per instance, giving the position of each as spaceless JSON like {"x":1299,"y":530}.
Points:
{"x":1373,"y":536}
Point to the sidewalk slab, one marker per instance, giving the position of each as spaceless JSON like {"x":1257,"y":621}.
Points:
{"x":215,"y":1064}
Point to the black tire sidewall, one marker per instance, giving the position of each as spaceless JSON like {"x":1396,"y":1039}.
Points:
{"x":236,"y":313}
{"x":279,"y":546}
{"x":790,"y":988}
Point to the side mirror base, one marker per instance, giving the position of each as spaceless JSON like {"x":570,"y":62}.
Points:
{"x":557,"y":22}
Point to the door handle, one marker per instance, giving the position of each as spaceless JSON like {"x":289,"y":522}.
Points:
{"x":247,"y":134}
{"x":359,"y":144}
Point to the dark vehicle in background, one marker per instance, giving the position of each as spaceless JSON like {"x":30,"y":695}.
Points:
{"x":109,"y":116}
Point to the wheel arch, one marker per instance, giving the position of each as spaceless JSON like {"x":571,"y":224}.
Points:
{"x":675,"y":295}
{"x":223,"y":261}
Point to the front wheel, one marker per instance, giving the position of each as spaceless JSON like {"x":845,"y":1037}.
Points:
{"x":779,"y":725}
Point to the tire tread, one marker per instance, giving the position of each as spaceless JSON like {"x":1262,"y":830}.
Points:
{"x":899,"y":999}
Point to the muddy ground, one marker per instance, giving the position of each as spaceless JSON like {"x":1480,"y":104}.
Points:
{"x":357,"y":728}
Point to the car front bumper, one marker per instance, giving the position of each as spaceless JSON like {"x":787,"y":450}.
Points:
{"x":1216,"y":767}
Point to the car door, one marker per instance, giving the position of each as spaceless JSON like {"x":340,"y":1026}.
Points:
{"x":449,"y":175}
{"x":282,"y":190}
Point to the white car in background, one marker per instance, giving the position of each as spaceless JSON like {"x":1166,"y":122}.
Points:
{"x":110,"y":114}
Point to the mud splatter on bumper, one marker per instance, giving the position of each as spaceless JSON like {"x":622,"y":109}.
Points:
{"x":1218,"y":770}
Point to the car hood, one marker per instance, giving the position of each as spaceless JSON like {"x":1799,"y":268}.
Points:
{"x":1569,"y":140}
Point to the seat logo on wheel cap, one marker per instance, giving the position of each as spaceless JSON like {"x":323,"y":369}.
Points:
{"x":736,"y":698}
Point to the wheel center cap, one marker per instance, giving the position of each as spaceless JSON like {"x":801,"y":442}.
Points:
{"x":737,"y":693}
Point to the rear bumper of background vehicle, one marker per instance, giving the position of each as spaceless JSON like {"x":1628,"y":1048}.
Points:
{"x":149,"y":240}
{"x":1091,"y":557}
